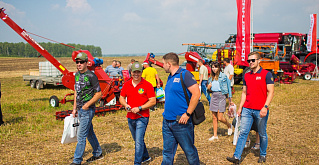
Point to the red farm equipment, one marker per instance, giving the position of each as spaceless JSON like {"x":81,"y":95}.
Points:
{"x":109,"y":88}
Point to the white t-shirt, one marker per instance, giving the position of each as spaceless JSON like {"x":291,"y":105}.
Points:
{"x":203,"y":71}
{"x":229,"y":70}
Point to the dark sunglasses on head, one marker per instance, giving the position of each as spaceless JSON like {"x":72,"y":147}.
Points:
{"x":81,"y":62}
{"x":252,"y":60}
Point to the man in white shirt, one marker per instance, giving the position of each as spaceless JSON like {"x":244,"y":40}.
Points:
{"x":203,"y":78}
{"x":229,"y":71}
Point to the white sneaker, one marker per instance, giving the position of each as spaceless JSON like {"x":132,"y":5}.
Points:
{"x":213,"y":138}
{"x":230,"y":130}
{"x":247,"y":144}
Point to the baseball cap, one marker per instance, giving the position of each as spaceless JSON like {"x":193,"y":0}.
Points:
{"x":82,"y":56}
{"x":145,"y":62}
{"x":137,"y":66}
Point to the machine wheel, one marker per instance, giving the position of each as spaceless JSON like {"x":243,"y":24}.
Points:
{"x":307,"y":76}
{"x":312,"y":59}
{"x":246,"y":70}
{"x":54,"y":101}
{"x":32,"y":83}
{"x":38,"y":84}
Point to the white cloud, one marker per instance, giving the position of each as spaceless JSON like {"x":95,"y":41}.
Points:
{"x":78,"y":6}
{"x":132,"y":17}
{"x":12,"y":10}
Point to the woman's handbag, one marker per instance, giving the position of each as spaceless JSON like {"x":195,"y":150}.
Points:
{"x":198,"y":115}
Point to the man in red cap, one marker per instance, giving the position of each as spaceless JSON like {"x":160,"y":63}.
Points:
{"x":150,"y":75}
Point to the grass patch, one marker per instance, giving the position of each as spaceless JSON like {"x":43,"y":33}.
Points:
{"x":31,"y":134}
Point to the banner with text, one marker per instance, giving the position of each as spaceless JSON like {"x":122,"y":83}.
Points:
{"x":312,"y":35}
{"x":243,"y":32}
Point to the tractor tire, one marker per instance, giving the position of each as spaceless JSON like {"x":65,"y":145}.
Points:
{"x":38,"y":84}
{"x":246,"y":70}
{"x":32,"y":83}
{"x":312,"y":59}
{"x":307,"y":76}
{"x":54,"y":101}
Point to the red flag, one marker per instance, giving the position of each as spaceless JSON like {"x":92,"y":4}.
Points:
{"x":243,"y":32}
{"x":312,"y":35}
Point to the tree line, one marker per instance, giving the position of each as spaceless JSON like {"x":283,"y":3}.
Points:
{"x":22,"y":49}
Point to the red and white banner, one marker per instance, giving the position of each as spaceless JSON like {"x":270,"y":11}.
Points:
{"x":243,"y":32}
{"x":312,"y":35}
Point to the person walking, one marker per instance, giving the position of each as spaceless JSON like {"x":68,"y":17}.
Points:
{"x":258,"y":91}
{"x":229,"y":71}
{"x":1,"y":119}
{"x":177,"y":125}
{"x":203,"y":78}
{"x":140,"y":97}
{"x":87,"y":93}
{"x":129,"y":66}
{"x":220,"y":85}
{"x":150,"y":75}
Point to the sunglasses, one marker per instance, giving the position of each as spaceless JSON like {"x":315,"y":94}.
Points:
{"x":251,"y":60}
{"x":81,"y":62}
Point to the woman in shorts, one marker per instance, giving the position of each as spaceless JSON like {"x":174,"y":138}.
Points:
{"x":219,"y":84}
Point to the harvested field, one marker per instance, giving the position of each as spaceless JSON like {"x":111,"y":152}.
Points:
{"x":31,"y":134}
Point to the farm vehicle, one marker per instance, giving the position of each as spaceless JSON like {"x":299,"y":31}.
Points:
{"x":110,"y":87}
{"x":280,"y":54}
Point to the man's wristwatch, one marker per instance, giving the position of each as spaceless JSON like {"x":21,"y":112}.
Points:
{"x":266,"y":106}
{"x":140,"y":108}
{"x":188,"y":114}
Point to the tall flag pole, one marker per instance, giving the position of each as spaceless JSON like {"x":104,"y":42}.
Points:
{"x":243,"y":32}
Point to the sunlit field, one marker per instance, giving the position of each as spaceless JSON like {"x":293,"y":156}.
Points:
{"x":32,"y":135}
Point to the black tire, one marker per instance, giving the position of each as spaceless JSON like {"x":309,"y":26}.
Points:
{"x":307,"y":76}
{"x":54,"y":101}
{"x":32,"y":83}
{"x":312,"y":59}
{"x":246,"y":70}
{"x":38,"y":84}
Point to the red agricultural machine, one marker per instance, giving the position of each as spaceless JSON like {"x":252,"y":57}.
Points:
{"x":280,"y":54}
{"x":109,"y":88}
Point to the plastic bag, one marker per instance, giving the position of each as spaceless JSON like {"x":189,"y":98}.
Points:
{"x":70,"y":130}
{"x":160,"y":93}
{"x":237,"y":130}
{"x":232,"y":111}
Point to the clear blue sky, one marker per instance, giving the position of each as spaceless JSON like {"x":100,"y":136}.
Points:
{"x":141,"y":26}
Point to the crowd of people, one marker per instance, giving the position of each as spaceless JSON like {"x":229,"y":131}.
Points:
{"x":138,"y":97}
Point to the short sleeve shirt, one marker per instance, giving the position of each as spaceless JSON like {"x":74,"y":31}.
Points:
{"x":150,"y":75}
{"x":175,"y":101}
{"x":203,"y":71}
{"x":86,"y":85}
{"x":137,"y":96}
{"x":229,"y":70}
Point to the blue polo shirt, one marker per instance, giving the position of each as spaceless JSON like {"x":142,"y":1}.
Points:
{"x":175,"y":102}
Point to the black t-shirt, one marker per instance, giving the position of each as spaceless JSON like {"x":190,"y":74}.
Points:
{"x":86,"y":85}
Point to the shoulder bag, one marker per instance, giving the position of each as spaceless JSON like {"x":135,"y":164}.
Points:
{"x":198,"y":115}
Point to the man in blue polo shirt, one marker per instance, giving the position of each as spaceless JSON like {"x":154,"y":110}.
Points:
{"x":258,"y":91}
{"x":177,"y":124}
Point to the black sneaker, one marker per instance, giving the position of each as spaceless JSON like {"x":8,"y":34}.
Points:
{"x":233,"y":160}
{"x":146,"y":159}
{"x":93,"y":158}
{"x":262,"y":159}
{"x":75,"y":164}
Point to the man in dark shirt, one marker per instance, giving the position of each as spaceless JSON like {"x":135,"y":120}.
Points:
{"x":87,"y":92}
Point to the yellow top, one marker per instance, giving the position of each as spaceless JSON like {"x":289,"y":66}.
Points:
{"x":149,"y":75}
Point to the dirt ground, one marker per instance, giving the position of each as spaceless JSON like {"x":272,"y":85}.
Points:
{"x":31,"y":134}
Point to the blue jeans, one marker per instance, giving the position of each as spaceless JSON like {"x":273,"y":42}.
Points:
{"x":182,"y":134}
{"x":248,"y":116}
{"x":85,"y":130}
{"x":138,"y":128}
{"x":204,"y":90}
